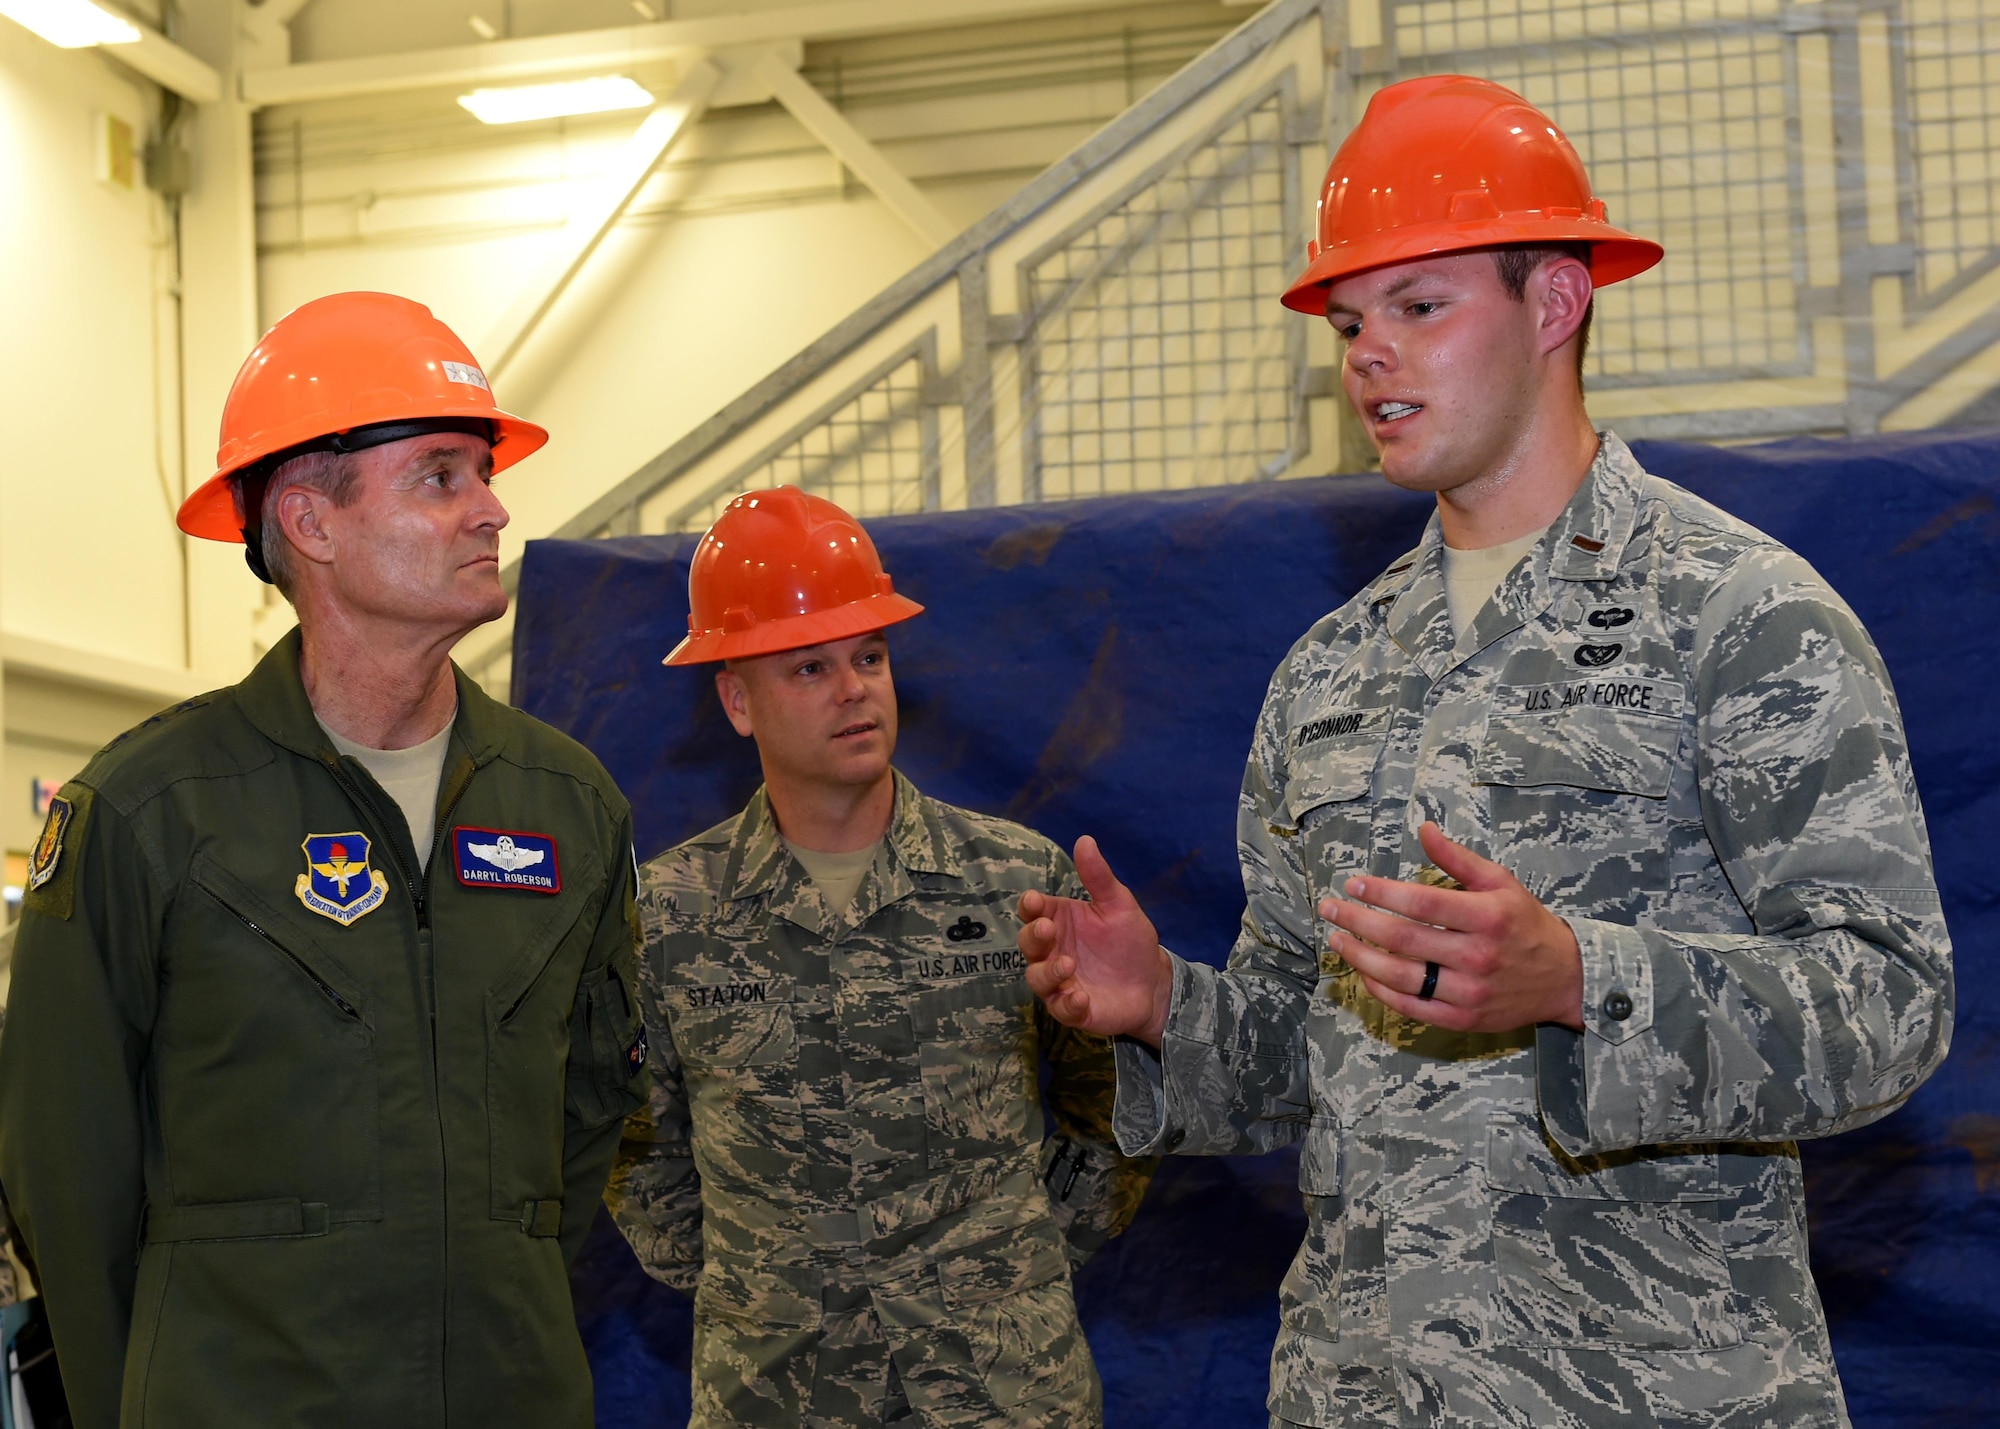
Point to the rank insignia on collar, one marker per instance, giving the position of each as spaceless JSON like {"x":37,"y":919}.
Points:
{"x":505,"y":858}
{"x":338,"y":883}
{"x":48,"y":848}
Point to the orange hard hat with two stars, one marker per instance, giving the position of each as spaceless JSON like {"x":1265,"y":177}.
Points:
{"x":344,"y":373}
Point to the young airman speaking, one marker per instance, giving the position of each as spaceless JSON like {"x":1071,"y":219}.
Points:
{"x":1586,"y":872}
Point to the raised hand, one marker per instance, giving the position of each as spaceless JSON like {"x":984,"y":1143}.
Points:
{"x":1098,"y":965}
{"x":1503,"y":960}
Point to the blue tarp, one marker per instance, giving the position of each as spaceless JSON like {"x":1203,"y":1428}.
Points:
{"x":1096,"y":667}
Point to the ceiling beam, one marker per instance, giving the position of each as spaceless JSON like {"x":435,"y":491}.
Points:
{"x":586,"y":229}
{"x":167,"y":65}
{"x":851,"y":147}
{"x":279,"y":12}
{"x":501,"y":61}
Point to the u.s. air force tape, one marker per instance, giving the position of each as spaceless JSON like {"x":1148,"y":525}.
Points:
{"x":1631,"y":695}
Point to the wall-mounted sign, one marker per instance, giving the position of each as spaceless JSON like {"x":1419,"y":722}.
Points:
{"x":45,"y":790}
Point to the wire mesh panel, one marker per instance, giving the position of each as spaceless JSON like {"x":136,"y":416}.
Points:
{"x":1689,"y":133}
{"x":1951,"y":69}
{"x":873,"y":451}
{"x":1157,"y":354}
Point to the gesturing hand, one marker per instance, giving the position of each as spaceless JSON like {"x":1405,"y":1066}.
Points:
{"x":1504,"y":960}
{"x":1099,"y":965}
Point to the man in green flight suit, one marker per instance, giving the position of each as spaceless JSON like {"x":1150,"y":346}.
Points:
{"x":321,"y":1033}
{"x":843,"y":1156}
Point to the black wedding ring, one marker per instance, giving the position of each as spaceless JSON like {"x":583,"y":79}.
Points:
{"x":1430,"y":987}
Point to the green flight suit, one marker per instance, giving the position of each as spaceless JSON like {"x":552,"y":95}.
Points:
{"x":280,"y":1165}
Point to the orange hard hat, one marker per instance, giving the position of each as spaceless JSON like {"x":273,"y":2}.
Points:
{"x":344,"y":373}
{"x":780,"y":569}
{"x":1446,"y":163}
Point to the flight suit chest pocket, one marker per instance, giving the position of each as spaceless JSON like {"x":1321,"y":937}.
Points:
{"x":1622,"y":1251}
{"x":258,"y":1011}
{"x":975,"y":1044}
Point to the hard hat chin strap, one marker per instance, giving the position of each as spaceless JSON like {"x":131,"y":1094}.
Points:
{"x":251,"y":487}
{"x":254,"y":483}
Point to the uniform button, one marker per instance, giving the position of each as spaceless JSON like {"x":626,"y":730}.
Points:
{"x":1174,"y":1140}
{"x":1617,"y":1006}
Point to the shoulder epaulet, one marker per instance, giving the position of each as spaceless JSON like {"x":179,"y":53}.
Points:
{"x":165,"y":716}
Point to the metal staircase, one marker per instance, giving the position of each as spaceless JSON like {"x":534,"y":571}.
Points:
{"x":1821,"y":175}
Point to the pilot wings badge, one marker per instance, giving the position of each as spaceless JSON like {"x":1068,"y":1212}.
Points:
{"x":338,"y":883}
{"x":506,"y":858}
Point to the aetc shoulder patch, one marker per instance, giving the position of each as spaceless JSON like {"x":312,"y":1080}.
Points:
{"x":338,"y":883}
{"x":52,"y":875}
{"x":48,"y":848}
{"x":506,"y":858}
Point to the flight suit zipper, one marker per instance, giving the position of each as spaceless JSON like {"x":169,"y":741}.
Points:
{"x":293,"y":958}
{"x":419,"y":891}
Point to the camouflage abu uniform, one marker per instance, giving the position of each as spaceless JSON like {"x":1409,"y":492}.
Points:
{"x":843,"y":1156}
{"x":1670,"y":729}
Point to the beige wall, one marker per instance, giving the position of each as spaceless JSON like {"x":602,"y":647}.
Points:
{"x":87,"y":368}
{"x":96,"y":369}
{"x":750,"y":242}
{"x":747,"y":244}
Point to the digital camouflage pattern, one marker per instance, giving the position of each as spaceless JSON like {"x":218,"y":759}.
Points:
{"x":1670,"y":729}
{"x":843,"y":1158}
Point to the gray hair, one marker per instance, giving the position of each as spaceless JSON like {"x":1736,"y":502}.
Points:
{"x":331,"y":474}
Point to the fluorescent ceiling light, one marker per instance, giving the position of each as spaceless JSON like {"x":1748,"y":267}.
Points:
{"x":549,"y":101}
{"x":71,"y":24}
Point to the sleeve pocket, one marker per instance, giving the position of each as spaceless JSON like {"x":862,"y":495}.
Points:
{"x":603,"y":1075}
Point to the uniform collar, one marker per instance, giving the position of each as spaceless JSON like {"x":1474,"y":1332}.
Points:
{"x":273,"y":698}
{"x":1585,"y":543}
{"x":759,"y":862}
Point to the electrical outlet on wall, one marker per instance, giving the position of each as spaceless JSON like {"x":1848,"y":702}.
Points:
{"x":114,"y":152}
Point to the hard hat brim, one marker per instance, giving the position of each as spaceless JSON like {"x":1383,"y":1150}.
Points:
{"x":210,"y":509}
{"x":1615,"y":255}
{"x":794,"y":632}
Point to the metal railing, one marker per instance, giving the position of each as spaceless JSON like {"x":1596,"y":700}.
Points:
{"x":1825,"y":178}
{"x":1113,"y":327}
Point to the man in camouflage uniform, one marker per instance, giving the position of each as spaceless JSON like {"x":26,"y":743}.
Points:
{"x":1621,"y":880}
{"x":844,"y":1158}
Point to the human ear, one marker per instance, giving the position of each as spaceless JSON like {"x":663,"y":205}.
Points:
{"x":735,"y":697}
{"x":303,"y":520}
{"x":1563,"y":293}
